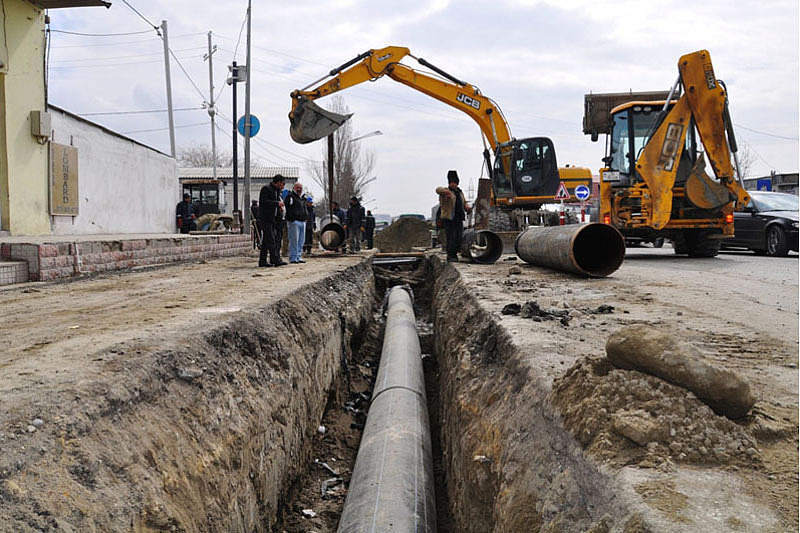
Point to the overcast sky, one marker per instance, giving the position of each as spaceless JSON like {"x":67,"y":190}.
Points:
{"x":536,"y":59}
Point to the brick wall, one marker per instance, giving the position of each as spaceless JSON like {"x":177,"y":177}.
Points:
{"x":64,"y":260}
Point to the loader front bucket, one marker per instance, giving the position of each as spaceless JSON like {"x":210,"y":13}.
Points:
{"x":704,"y":192}
{"x":309,"y":122}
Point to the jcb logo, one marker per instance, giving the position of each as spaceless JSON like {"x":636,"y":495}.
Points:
{"x":464,"y":99}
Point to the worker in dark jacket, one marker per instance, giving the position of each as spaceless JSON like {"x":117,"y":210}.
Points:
{"x":311,"y":225}
{"x":270,"y":208}
{"x":296,"y":222}
{"x":452,"y":212}
{"x":186,"y":214}
{"x":354,"y":224}
{"x":339,"y":213}
{"x":369,"y":229}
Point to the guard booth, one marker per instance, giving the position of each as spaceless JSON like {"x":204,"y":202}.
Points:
{"x":205,"y":195}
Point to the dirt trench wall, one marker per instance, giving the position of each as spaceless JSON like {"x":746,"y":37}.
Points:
{"x":199,"y":434}
{"x":510,"y":464}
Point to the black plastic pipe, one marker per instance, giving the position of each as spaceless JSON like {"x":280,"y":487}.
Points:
{"x":392,"y":484}
{"x":481,"y":246}
{"x":594,"y":250}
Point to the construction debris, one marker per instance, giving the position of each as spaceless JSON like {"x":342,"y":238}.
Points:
{"x":404,"y":234}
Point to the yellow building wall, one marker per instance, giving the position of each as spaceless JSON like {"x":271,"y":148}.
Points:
{"x":23,"y":161}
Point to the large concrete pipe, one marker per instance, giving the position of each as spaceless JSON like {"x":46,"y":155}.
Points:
{"x":392,"y":484}
{"x":594,"y":250}
{"x":331,"y":233}
{"x":481,"y":246}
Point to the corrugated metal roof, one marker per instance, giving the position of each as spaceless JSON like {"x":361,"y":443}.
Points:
{"x":227,"y":172}
{"x":56,"y":4}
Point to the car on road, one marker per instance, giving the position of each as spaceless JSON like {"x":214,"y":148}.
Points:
{"x":768,"y":225}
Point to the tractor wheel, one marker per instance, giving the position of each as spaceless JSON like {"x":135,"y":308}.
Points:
{"x":658,"y":243}
{"x":699,"y":244}
{"x":776,"y":242}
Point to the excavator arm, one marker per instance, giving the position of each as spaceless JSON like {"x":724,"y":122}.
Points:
{"x":309,"y":122}
{"x":704,"y":103}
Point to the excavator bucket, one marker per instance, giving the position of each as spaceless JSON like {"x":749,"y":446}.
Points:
{"x":309,"y":122}
{"x":704,"y":192}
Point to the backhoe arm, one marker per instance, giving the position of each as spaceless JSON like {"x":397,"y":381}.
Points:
{"x":308,"y":121}
{"x":703,"y":101}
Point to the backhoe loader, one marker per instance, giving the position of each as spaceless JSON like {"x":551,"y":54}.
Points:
{"x":654,"y":184}
{"x":524,"y":172}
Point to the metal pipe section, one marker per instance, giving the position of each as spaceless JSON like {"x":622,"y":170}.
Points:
{"x":392,"y":485}
{"x":594,"y":250}
{"x":481,"y":246}
{"x":331,"y":234}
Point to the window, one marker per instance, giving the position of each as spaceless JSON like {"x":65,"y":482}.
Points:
{"x":620,"y":148}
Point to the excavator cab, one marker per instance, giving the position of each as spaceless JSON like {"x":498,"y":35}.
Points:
{"x":525,"y":167}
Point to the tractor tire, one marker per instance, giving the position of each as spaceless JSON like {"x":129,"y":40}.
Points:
{"x":679,"y":245}
{"x":500,"y":220}
{"x":658,"y":243}
{"x":699,"y":245}
{"x":776,"y":242}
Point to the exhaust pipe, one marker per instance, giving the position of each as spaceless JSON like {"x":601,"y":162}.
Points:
{"x":593,"y":250}
{"x":392,"y":484}
{"x":481,"y":246}
{"x":308,"y":122}
{"x":331,"y":234}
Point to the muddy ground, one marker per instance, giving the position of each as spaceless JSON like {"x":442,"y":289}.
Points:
{"x":739,"y":309}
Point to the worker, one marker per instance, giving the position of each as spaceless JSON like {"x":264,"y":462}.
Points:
{"x":270,"y":209}
{"x":453,"y":208}
{"x":354,"y":224}
{"x":339,"y":213}
{"x":296,"y":222}
{"x":186,"y":214}
{"x":369,"y":229}
{"x":311,"y":225}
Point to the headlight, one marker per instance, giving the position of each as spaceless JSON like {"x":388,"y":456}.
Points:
{"x":794,"y":225}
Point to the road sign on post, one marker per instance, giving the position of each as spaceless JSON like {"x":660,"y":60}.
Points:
{"x":255,"y":125}
{"x":582,"y":192}
{"x":563,"y":193}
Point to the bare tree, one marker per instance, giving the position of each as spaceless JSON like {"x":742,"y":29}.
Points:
{"x":353,"y":164}
{"x":200,"y":156}
{"x":747,"y":158}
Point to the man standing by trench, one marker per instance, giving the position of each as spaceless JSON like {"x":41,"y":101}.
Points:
{"x":296,"y":222}
{"x":369,"y":229}
{"x":452,"y":208}
{"x":311,"y":225}
{"x":269,"y":209}
{"x":354,"y":224}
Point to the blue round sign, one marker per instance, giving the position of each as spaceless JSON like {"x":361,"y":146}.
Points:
{"x":255,"y":125}
{"x":582,"y":192}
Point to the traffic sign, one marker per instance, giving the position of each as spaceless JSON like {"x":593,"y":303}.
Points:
{"x":582,"y":192}
{"x":255,"y":125}
{"x":563,"y":193}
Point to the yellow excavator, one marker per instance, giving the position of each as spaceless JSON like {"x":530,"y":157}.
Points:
{"x":524,"y":172}
{"x":654,"y":184}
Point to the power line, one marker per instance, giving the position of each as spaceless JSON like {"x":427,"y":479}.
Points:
{"x":164,"y":129}
{"x":98,"y":34}
{"x":155,"y":27}
{"x":124,"y":43}
{"x":767,"y":134}
{"x":108,"y":58}
{"x":196,"y":88}
{"x":142,"y":112}
{"x":239,"y":40}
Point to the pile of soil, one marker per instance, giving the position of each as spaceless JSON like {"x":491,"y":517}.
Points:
{"x":608,"y":410}
{"x":403,"y":235}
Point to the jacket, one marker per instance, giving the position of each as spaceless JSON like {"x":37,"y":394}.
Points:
{"x":185,"y":210}
{"x":355,"y":215}
{"x":295,"y":208}
{"x":268,"y":204}
{"x":311,"y":218}
{"x":369,"y":224}
{"x":447,"y":204}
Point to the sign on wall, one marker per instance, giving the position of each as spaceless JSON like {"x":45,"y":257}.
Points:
{"x":63,"y":180}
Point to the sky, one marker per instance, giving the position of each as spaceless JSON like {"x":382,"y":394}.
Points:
{"x":535,"y":58}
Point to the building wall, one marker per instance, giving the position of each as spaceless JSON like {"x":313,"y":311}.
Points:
{"x":23,"y":161}
{"x":124,"y":186}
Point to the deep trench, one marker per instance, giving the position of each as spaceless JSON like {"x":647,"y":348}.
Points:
{"x":315,"y":499}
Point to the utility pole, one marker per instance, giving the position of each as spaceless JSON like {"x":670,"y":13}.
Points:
{"x":247,"y":126}
{"x":165,"y":38}
{"x":211,"y":109}
{"x":233,"y":80}
{"x":330,"y":176}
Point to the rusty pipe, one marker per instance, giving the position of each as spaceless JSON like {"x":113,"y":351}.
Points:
{"x":593,"y":250}
{"x":481,"y":246}
{"x":331,"y":233}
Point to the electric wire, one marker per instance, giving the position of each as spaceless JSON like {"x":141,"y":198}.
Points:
{"x":142,"y":16}
{"x":767,"y":134}
{"x":165,"y":129}
{"x":137,"y":112}
{"x":124,"y":43}
{"x":109,"y":58}
{"x":99,"y":34}
{"x":196,"y":88}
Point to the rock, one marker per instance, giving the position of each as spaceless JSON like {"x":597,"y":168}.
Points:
{"x":638,"y":426}
{"x":31,"y":429}
{"x":514,"y":270}
{"x":308,"y":513}
{"x":38,"y":422}
{"x":190,"y":373}
{"x":511,"y":309}
{"x":649,"y":350}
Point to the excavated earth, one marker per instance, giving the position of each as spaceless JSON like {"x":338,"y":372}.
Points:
{"x":197,"y":397}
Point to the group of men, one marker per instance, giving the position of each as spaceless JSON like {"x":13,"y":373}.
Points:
{"x":358,"y":224}
{"x":274,"y":206}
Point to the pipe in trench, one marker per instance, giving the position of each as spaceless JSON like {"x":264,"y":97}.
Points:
{"x":481,"y":246}
{"x":331,"y":233}
{"x":594,"y":250}
{"x":392,"y":487}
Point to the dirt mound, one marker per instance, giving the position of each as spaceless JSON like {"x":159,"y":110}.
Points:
{"x":628,"y":417}
{"x":403,"y":235}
